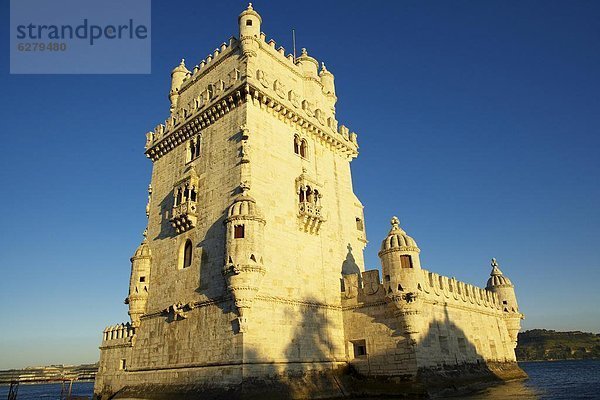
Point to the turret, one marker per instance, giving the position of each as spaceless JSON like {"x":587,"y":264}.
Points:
{"x":138,"y":282}
{"x":244,"y":246}
{"x":249,"y":22}
{"x":177,"y":76}
{"x":399,"y":260}
{"x":401,"y":268}
{"x":327,"y":80}
{"x":308,"y":65}
{"x":503,"y":287}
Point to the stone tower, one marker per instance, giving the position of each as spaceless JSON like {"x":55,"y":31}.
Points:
{"x":250,"y":279}
{"x":251,"y":219}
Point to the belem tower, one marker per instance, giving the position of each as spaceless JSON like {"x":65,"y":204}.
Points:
{"x":250,"y":280}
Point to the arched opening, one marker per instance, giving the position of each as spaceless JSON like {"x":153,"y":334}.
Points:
{"x":179,"y":196}
{"x":303,"y":148}
{"x":187,"y":254}
{"x":296,"y":144}
{"x":301,"y":196}
{"x":198,"y":147}
{"x":309,"y":194}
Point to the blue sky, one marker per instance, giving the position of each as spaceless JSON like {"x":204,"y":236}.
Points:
{"x":478,"y":123}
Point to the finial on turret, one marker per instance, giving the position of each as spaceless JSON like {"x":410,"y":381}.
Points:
{"x":395,"y":222}
{"x":323,"y":67}
{"x":304,"y":52}
{"x":249,"y":6}
{"x":495,"y":268}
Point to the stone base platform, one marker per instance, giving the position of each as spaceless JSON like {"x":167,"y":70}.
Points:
{"x":340,"y":382}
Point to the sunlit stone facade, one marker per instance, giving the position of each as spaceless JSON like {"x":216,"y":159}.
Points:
{"x":251,"y":270}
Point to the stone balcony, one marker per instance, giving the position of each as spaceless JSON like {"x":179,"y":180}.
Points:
{"x":184,"y":216}
{"x":311,"y":216}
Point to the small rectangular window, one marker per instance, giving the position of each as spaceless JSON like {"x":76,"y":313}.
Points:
{"x":248,"y":22}
{"x":359,"y":224}
{"x":142,"y":279}
{"x":122,"y":363}
{"x":238,"y":231}
{"x":406,"y":261}
{"x":360,"y":348}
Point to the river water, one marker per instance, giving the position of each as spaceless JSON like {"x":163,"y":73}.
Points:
{"x":556,"y":380}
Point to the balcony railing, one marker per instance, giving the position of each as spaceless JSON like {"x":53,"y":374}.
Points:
{"x":184,"y":216}
{"x":311,"y":216}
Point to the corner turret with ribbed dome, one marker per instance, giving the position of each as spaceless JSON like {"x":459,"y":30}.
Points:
{"x":503,"y":287}
{"x":244,"y":246}
{"x":400,"y":262}
{"x":497,"y":278}
{"x":139,"y":281}
{"x":398,"y":240}
{"x":500,"y":284}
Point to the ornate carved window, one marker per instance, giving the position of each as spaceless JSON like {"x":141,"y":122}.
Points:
{"x":185,"y":197}
{"x":310,"y":209}
{"x":187,"y":254}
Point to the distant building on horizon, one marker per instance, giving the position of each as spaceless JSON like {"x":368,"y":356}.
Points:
{"x":250,"y":278}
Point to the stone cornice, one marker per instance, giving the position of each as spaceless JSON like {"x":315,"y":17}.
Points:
{"x":325,"y":135}
{"x":178,"y":131}
{"x":183,"y":130}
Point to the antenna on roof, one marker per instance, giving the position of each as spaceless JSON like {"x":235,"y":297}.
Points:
{"x":294,"y":43}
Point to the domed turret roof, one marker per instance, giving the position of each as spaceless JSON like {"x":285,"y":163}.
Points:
{"x":181,"y":67}
{"x":244,"y":204}
{"x":143,"y":249}
{"x":398,"y":239}
{"x":305,"y":57}
{"x":497,"y":278}
{"x":249,"y":11}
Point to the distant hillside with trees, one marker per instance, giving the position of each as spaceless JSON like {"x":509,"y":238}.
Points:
{"x":542,"y":344}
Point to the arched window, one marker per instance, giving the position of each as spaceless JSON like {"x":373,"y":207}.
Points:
{"x":198,"y":147}
{"x":194,"y":148}
{"x":187,"y":254}
{"x":309,"y":194}
{"x":303,"y":148}
{"x":316,"y":196}
{"x":296,"y":144}
{"x":301,"y":195}
{"x":178,"y":198}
